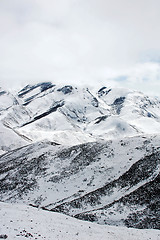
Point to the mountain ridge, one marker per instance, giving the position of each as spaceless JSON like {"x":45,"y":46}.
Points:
{"x":46,"y":111}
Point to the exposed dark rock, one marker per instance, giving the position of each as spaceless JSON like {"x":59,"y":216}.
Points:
{"x":103,"y":91}
{"x":2,"y":93}
{"x":65,"y":89}
{"x":95,"y":102}
{"x":51,"y":110}
{"x":118,"y":104}
{"x":43,"y":87}
{"x":3,"y":236}
{"x":100,"y":119}
{"x":119,"y":101}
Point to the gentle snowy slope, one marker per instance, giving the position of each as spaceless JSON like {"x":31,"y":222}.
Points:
{"x":23,"y":222}
{"x":7,"y":100}
{"x":10,"y":139}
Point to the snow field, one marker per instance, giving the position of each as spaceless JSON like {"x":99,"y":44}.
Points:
{"x":24,"y":222}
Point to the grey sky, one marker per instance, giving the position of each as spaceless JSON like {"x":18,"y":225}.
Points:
{"x":81,"y":41}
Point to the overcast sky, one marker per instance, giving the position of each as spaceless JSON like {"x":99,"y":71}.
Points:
{"x":104,"y":42}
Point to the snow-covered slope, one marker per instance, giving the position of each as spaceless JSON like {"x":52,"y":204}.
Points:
{"x":24,"y":222}
{"x":9,"y":137}
{"x":71,"y":115}
{"x":84,"y":178}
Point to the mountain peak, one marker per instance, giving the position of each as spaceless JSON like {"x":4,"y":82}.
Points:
{"x":44,"y":110}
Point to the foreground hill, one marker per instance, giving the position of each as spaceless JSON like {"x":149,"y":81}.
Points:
{"x":24,"y":222}
{"x":112,"y":182}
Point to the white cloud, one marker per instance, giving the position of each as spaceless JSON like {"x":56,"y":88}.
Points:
{"x":80,"y":41}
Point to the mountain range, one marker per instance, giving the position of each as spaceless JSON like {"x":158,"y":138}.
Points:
{"x":93,"y":154}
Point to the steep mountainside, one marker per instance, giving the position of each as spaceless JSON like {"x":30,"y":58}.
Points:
{"x":106,"y":181}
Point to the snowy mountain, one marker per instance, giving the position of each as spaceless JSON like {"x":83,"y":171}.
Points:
{"x":90,"y":154}
{"x":106,"y":181}
{"x":70,"y":115}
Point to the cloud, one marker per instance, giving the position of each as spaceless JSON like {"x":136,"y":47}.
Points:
{"x":144,"y":77}
{"x":80,"y":41}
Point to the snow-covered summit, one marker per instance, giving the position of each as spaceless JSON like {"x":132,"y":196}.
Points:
{"x":72,"y":115}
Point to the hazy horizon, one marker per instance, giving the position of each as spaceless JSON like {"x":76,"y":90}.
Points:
{"x":112,"y":43}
